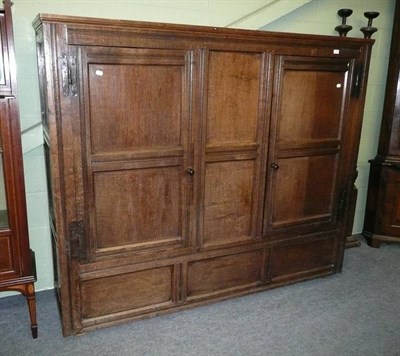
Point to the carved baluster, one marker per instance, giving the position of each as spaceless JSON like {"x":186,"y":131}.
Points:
{"x":344,"y":28}
{"x":369,"y":29}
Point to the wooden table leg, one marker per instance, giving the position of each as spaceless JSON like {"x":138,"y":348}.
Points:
{"x":31,"y":299}
{"x":27,"y":290}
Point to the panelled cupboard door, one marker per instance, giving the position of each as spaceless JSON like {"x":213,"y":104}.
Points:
{"x":233,"y":132}
{"x":306,"y":144}
{"x":136,"y":133}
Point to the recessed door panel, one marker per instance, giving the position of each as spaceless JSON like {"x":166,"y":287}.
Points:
{"x":141,"y":290}
{"x":232,"y":97}
{"x":138,"y":207}
{"x":228,"y":202}
{"x":221,"y":274}
{"x":303,"y":258}
{"x":136,"y":106}
{"x":304,"y":189}
{"x":312,"y":109}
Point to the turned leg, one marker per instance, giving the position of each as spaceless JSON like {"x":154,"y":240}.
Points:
{"x":31,"y":299}
{"x":28,"y":291}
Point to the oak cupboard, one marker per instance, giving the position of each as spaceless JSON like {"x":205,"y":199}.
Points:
{"x":17,"y":260}
{"x":191,"y":164}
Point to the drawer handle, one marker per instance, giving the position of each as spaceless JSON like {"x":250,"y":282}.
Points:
{"x":190,"y":171}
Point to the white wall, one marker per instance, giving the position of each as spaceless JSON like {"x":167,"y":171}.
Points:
{"x":319,"y":16}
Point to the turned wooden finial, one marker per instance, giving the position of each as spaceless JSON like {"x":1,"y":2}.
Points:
{"x":344,"y":28}
{"x":369,"y":29}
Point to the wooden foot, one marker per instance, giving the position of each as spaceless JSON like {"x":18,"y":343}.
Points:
{"x":373,"y":242}
{"x":34,"y":330}
{"x":352,"y":241}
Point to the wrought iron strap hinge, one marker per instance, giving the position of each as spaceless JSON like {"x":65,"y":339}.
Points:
{"x":76,"y":240}
{"x":341,"y":207}
{"x":69,"y":75}
{"x":357,"y":80}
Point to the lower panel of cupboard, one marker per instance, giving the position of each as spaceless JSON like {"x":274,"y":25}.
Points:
{"x":137,"y":290}
{"x":213,"y":276}
{"x":302,"y":258}
{"x":194,"y":281}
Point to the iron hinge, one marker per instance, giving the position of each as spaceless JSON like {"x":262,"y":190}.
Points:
{"x":69,"y":75}
{"x":76,"y":240}
{"x":357,"y":80}
{"x":341,"y":207}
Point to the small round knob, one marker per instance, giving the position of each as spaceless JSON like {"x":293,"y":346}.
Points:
{"x":190,"y":171}
{"x":274,"y":166}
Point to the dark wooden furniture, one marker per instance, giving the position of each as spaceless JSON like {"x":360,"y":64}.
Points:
{"x":382,"y":217}
{"x":17,"y":262}
{"x":352,"y":240}
{"x":191,"y":164}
